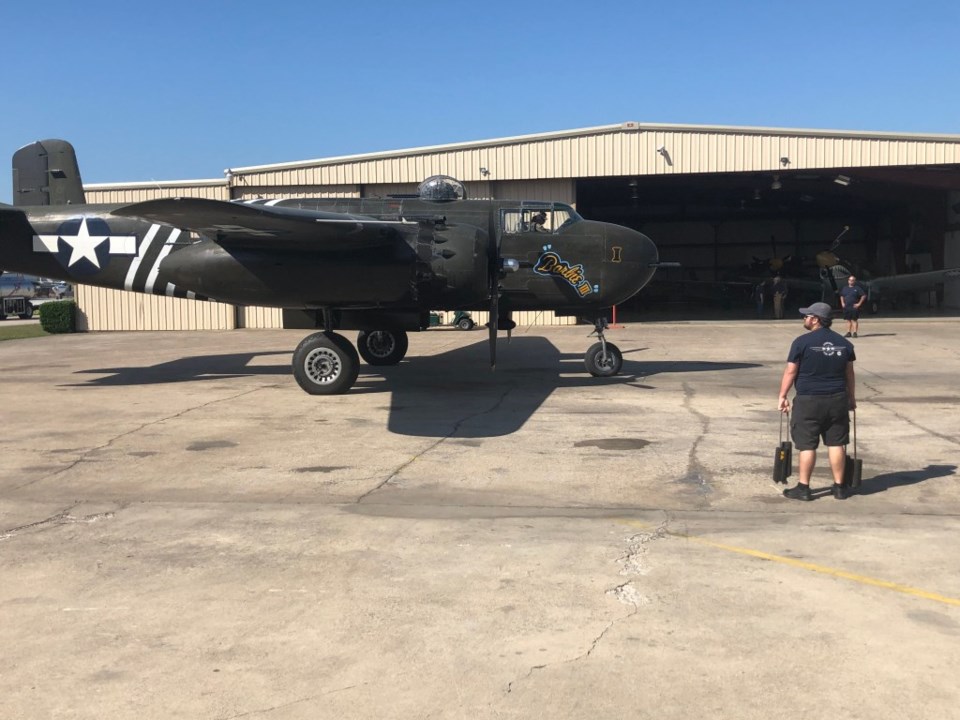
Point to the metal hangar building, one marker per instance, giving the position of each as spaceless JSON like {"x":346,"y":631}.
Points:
{"x":724,"y":202}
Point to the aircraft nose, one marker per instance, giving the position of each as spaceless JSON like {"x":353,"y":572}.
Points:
{"x":632,"y":260}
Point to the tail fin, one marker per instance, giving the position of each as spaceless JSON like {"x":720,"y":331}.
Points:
{"x":46,"y":173}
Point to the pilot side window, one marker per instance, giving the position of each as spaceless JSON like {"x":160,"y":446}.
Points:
{"x":528,"y":220}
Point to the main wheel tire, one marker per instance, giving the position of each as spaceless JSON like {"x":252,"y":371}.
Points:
{"x":26,"y":315}
{"x":465,"y":323}
{"x":325,"y":364}
{"x":598,"y":366}
{"x":382,"y":347}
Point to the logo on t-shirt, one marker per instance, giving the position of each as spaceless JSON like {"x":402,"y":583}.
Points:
{"x":828,"y":349}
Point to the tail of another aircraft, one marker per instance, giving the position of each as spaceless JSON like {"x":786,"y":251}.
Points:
{"x":46,"y":173}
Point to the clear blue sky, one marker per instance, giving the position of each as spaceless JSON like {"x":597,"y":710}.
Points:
{"x":181,"y":90}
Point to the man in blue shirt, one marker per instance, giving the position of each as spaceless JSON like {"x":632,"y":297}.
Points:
{"x":820,"y":367}
{"x":852,"y":298}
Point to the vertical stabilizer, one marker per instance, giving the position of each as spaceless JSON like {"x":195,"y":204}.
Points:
{"x":46,"y":173}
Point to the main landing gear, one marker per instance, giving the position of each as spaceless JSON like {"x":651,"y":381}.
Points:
{"x":325,"y":363}
{"x":603,"y":359}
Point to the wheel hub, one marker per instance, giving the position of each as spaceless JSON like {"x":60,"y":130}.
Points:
{"x":380,"y":343}
{"x":322,"y":366}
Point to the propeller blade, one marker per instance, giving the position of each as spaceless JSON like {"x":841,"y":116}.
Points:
{"x":493,"y":250}
{"x":494,"y":317}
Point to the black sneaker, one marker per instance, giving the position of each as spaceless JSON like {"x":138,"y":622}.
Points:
{"x":847,"y":335}
{"x":854,"y":334}
{"x":840,"y":492}
{"x":799,"y":492}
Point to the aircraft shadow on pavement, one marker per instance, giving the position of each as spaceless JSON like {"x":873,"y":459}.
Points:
{"x":455,"y":394}
{"x":188,"y":369}
{"x":452,"y":394}
{"x":887,"y":481}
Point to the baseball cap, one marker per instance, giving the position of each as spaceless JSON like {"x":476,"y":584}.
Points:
{"x":820,"y":309}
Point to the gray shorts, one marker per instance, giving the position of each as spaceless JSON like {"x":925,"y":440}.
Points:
{"x":820,"y":416}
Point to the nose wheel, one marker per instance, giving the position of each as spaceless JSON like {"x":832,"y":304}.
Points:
{"x":603,"y":359}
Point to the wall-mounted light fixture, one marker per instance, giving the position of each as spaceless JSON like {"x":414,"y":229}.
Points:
{"x":842,"y":180}
{"x":484,"y":172}
{"x":784,"y":161}
{"x":665,"y":154}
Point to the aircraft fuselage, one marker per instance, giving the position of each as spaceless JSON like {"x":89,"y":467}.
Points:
{"x":440,"y":260}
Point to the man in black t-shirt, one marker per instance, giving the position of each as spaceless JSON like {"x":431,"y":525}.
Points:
{"x":852,"y":298}
{"x":820,"y":367}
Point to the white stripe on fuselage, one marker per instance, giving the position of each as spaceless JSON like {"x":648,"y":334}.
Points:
{"x":155,"y":270}
{"x":135,"y":263}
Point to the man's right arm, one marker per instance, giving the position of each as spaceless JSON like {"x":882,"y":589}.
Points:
{"x":786,"y":382}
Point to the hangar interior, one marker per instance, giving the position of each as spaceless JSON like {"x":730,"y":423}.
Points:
{"x":731,"y":231}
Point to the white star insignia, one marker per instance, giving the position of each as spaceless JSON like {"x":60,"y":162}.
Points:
{"x":84,"y":245}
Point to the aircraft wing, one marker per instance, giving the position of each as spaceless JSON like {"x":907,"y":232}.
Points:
{"x":913,"y":281}
{"x":239,"y":225}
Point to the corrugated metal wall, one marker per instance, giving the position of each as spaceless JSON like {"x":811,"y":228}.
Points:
{"x":245,"y":192}
{"x":104,"y":309}
{"x":131,"y":193}
{"x":252,"y":316}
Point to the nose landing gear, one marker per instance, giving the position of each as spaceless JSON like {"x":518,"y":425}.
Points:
{"x":603,"y":359}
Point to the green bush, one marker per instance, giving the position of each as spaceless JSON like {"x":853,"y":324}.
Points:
{"x":59,"y":316}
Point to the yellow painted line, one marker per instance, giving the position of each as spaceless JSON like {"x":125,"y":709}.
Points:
{"x":813,"y":567}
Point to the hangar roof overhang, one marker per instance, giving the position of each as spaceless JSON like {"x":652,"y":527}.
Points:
{"x":626,"y":149}
{"x":625,"y":127}
{"x":629,"y":149}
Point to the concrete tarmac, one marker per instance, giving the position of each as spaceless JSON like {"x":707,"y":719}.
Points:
{"x":184,"y":533}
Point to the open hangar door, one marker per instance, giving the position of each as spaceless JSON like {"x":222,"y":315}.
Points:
{"x":732,"y":231}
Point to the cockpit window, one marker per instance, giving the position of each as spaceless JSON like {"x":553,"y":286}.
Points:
{"x":537,"y":218}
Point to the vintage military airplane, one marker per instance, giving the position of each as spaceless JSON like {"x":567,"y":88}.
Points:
{"x":377,"y":265}
{"x":834,"y":272}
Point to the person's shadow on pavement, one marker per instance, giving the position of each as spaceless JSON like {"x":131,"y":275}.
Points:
{"x":886,"y":481}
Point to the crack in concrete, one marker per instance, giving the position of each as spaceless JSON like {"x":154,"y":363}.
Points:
{"x":696,"y":472}
{"x":637,"y":547}
{"x":456,"y":427}
{"x":86,"y":453}
{"x":634,"y":556}
{"x":578,"y":658}
{"x":908,"y":421}
{"x":283,"y":706}
{"x":64,"y":517}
